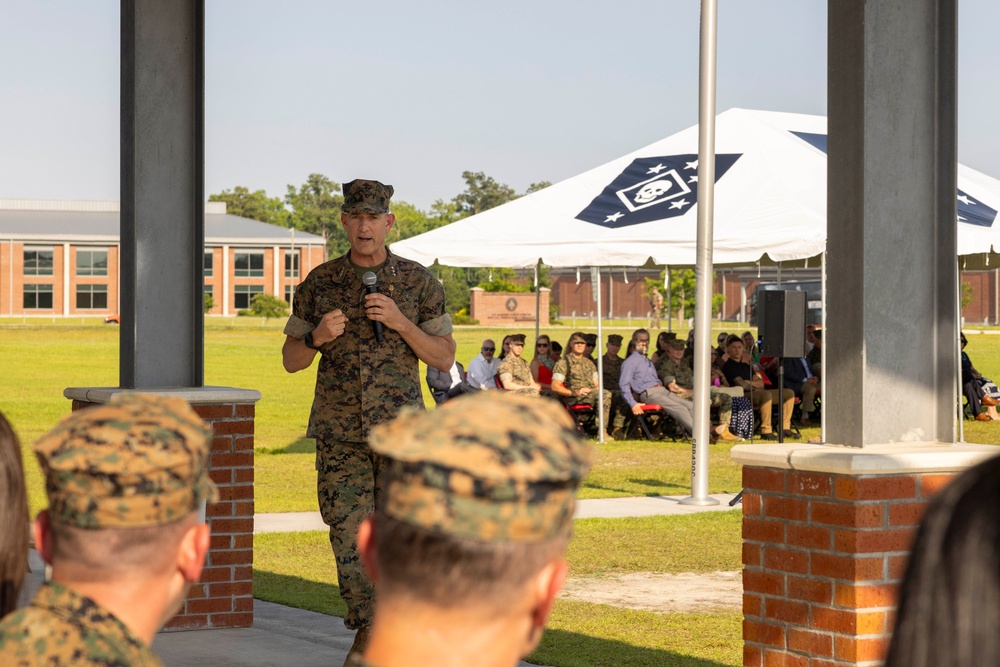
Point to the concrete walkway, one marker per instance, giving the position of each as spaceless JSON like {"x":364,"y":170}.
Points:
{"x":605,"y":508}
{"x":287,"y":636}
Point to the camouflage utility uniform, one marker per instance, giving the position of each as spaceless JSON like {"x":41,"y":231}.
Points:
{"x":612,"y":373}
{"x":684,"y":377}
{"x":520,"y":372}
{"x":581,"y":373}
{"x":62,"y":628}
{"x":360,"y":383}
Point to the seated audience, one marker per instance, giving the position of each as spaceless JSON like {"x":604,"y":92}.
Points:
{"x":505,"y":347}
{"x":949,"y":601}
{"x":555,"y":351}
{"x":483,"y":367}
{"x":974,"y":388}
{"x":742,"y":374}
{"x":574,"y":379}
{"x":540,"y":361}
{"x":13,"y":519}
{"x":815,"y":355}
{"x":448,"y":385}
{"x":800,"y":379}
{"x":661,"y":346}
{"x":750,"y":347}
{"x":678,"y":378}
{"x":638,"y":377}
{"x":127,"y":484}
{"x":588,"y":351}
{"x":466,"y":549}
{"x":515,"y":375}
{"x":612,"y":373}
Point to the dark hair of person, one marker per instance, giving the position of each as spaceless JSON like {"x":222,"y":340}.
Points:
{"x":448,"y":571}
{"x":503,"y":346}
{"x":13,"y":519}
{"x":949,"y":601}
{"x":818,"y":334}
{"x":555,"y":346}
{"x":635,"y":334}
{"x":661,"y":342}
{"x":733,"y":338}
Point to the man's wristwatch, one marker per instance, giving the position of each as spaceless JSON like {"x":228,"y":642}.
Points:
{"x":308,"y":340}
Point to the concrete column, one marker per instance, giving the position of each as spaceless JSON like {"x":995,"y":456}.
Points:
{"x":162,"y":192}
{"x":827,"y":528}
{"x":891,"y":257}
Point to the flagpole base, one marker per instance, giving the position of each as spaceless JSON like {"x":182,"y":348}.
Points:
{"x":699,"y":502}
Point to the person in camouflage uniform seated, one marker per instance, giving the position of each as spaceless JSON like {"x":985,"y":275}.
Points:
{"x":574,"y":378}
{"x":467,"y":549}
{"x":612,"y":373}
{"x":515,"y":373}
{"x":671,"y":366}
{"x":126,"y":483}
{"x":360,"y":382}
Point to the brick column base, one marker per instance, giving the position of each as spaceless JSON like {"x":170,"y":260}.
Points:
{"x":223,"y":597}
{"x":826,"y":538}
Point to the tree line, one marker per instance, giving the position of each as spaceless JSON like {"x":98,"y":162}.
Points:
{"x":316,"y":205}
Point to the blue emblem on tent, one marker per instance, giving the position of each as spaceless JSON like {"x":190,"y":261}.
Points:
{"x":974,"y":212}
{"x":970,"y":209}
{"x":651,"y":188}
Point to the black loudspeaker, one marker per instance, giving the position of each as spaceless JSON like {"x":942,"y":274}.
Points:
{"x":783,"y":326}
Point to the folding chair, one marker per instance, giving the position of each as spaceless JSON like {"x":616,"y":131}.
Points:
{"x":584,"y":416}
{"x":668,"y":427}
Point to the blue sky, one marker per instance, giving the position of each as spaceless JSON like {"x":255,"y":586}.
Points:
{"x":416,"y":93}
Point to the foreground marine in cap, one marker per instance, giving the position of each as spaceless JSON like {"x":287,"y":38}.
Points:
{"x":126,"y":484}
{"x":361,"y":381}
{"x":466,"y":551}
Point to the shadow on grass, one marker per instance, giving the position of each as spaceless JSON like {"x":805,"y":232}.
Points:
{"x":659,"y":487}
{"x":303,"y":445}
{"x":572,"y":649}
{"x":560,"y":648}
{"x":658,"y":483}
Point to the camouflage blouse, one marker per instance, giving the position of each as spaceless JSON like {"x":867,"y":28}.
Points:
{"x":361,"y":383}
{"x":518,"y":368}
{"x":63,"y":628}
{"x":575,"y":373}
{"x":612,"y":372}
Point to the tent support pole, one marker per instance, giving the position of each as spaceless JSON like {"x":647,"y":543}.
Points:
{"x":670,"y":311}
{"x":538,"y":297}
{"x":703,"y":268}
{"x":601,"y":426}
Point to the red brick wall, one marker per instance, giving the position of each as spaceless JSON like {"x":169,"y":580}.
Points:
{"x":823,"y":555}
{"x":223,"y":597}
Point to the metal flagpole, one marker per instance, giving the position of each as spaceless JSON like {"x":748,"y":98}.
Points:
{"x":601,"y":426}
{"x":538,"y":298}
{"x":703,"y":267}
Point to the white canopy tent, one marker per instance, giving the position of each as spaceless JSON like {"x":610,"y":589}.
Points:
{"x":770,"y":203}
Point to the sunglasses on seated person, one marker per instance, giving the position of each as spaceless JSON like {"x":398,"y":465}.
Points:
{"x":489,"y":349}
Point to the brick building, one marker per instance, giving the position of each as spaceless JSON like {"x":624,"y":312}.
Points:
{"x":60,"y":258}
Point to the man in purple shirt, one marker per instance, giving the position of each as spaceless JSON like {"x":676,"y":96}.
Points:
{"x":638,"y":378}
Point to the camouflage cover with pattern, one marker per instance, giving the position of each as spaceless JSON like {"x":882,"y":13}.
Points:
{"x":612,"y":372}
{"x":361,"y":383}
{"x":139,"y":460}
{"x":490,"y":467}
{"x":62,"y":628}
{"x":519,"y":371}
{"x":578,"y":373}
{"x":366,"y":196}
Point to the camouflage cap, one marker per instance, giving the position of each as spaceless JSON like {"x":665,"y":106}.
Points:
{"x":676,"y":344}
{"x":495,"y":468}
{"x":576,"y":336}
{"x":139,"y":460}
{"x":366,"y":196}
{"x":517,"y":338}
{"x":590,"y":339}
{"x":614,"y":339}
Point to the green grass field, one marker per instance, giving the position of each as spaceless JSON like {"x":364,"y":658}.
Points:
{"x":41,"y":358}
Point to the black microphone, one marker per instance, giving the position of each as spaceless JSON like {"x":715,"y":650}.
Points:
{"x":369,"y":280}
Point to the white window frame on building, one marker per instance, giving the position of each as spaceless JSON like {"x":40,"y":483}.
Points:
{"x":249,"y":258}
{"x":247,"y":292}
{"x":37,"y":290}
{"x":292,"y":264}
{"x":289,"y":293}
{"x":89,"y":297}
{"x":86,"y":264}
{"x":35,"y":267}
{"x":209,"y":263}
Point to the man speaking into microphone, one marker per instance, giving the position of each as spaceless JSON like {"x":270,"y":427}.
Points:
{"x":362,"y":382}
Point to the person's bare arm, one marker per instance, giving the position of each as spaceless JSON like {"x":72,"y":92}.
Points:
{"x":436,"y":351}
{"x":559,"y":387}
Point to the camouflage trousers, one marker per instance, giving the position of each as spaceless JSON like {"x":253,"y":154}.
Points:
{"x":619,"y":411}
{"x":347,"y":486}
{"x":725,"y":404}
{"x":591,"y":399}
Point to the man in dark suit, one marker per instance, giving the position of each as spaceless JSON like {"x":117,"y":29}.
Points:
{"x":447,"y":385}
{"x":800,"y":379}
